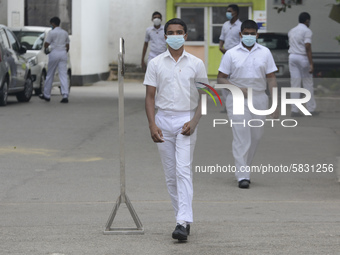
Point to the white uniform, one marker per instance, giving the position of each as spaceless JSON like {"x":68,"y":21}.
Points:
{"x":299,"y":64}
{"x":247,"y":69}
{"x":156,"y":40}
{"x":57,"y":38}
{"x":176,"y":100}
{"x":230,"y":34}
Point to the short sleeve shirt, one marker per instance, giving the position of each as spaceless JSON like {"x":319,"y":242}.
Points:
{"x":176,"y":82}
{"x":298,"y":37}
{"x":58,"y":38}
{"x":230,"y":34}
{"x":156,"y":40}
{"x":248,"y":69}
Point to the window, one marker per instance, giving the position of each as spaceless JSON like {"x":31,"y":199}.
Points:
{"x":4,"y":38}
{"x":274,"y":41}
{"x":194,"y":18}
{"x":13,"y":42}
{"x":218,"y":18}
{"x":31,"y":40}
{"x":39,"y":13}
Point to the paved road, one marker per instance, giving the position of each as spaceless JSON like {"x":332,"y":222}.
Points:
{"x":60,"y":180}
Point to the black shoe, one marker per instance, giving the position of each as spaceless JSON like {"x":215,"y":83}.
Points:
{"x":180,"y":233}
{"x":41,"y":96}
{"x":244,"y":184}
{"x":188,"y":229}
{"x":64,"y":100}
{"x":295,"y":114}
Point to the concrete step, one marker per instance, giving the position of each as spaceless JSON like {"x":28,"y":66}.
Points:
{"x":131,"y":72}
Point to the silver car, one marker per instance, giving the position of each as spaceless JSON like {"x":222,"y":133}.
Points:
{"x":33,"y":38}
{"x":278,"y":44}
{"x":15,"y":72}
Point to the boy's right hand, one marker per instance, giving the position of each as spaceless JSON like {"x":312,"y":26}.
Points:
{"x":156,"y":134}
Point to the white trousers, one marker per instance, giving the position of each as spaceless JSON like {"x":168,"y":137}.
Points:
{"x":245,"y":137}
{"x":57,"y":59}
{"x":176,"y":155}
{"x":299,"y":73}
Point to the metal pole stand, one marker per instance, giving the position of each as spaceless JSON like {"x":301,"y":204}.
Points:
{"x":123,"y":198}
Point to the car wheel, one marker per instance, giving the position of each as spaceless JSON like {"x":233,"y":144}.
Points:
{"x":4,"y":93}
{"x":26,"y":94}
{"x":40,"y":90}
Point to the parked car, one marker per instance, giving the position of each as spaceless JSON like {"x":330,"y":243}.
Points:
{"x":33,"y":38}
{"x":278,"y":44}
{"x":326,"y":64}
{"x":15,"y":72}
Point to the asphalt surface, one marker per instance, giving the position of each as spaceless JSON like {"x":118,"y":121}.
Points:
{"x":60,"y":180}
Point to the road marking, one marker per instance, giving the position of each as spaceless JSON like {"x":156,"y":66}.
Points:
{"x":45,"y":153}
{"x":26,"y":151}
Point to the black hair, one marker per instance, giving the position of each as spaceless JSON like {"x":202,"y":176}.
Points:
{"x":156,"y":13}
{"x":175,"y":21}
{"x":249,"y":24}
{"x":55,"y":20}
{"x":303,"y":17}
{"x":234,"y":7}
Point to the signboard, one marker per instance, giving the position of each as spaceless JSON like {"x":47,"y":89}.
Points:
{"x":260,"y":17}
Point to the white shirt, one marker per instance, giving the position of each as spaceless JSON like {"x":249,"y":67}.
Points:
{"x":230,"y":34}
{"x":176,"y":82}
{"x":58,"y":38}
{"x":248,"y":69}
{"x":298,"y":37}
{"x":157,"y":41}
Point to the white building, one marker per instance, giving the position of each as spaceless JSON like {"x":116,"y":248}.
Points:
{"x":97,"y":26}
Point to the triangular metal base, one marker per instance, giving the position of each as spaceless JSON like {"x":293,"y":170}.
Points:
{"x":139,"y":230}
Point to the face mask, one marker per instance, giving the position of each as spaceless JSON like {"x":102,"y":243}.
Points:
{"x":156,"y":21}
{"x":229,"y":15}
{"x":249,"y":40}
{"x":175,"y":41}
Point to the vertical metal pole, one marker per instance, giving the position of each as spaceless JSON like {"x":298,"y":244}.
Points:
{"x":121,"y":125}
{"x":123,"y":198}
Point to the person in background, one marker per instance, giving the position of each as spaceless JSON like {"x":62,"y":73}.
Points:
{"x":59,"y":42}
{"x":301,"y":63}
{"x":230,"y":35}
{"x":154,"y":35}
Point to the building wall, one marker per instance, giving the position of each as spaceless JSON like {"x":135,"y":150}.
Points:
{"x":90,"y":40}
{"x":15,"y":13}
{"x":324,"y":29}
{"x":129,"y":19}
{"x":3,"y":12}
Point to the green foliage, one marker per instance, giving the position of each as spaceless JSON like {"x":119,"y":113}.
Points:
{"x":286,"y":4}
{"x":338,"y":37}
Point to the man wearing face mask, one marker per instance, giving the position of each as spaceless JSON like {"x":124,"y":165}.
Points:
{"x":247,"y":65}
{"x":155,"y":36}
{"x":301,"y":62}
{"x":171,"y":81}
{"x":229,"y":37}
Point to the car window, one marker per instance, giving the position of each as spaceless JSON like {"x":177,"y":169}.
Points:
{"x":13,"y":42}
{"x":4,"y":38}
{"x":274,"y":42}
{"x":31,"y":40}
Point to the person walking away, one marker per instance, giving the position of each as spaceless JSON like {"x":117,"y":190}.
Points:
{"x":59,"y":42}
